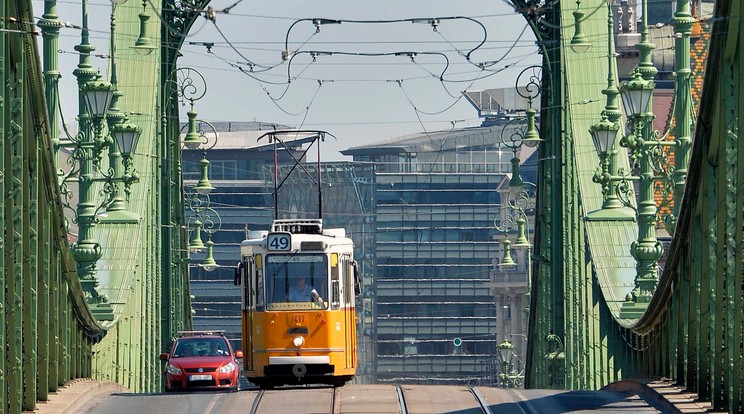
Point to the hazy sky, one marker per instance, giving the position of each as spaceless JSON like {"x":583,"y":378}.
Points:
{"x":361,"y":93}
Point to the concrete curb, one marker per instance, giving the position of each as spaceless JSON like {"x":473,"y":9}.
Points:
{"x":76,"y":395}
{"x":667,"y":396}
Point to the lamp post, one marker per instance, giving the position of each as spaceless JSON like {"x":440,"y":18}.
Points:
{"x":205,"y":218}
{"x":604,"y":134}
{"x":683,"y":23}
{"x":125,"y":136}
{"x":517,"y":134}
{"x":645,"y":148}
{"x":87,"y":250}
{"x":513,"y":214}
{"x":87,"y":169}
{"x":508,"y":378}
{"x":144,"y":44}
{"x":200,"y":135}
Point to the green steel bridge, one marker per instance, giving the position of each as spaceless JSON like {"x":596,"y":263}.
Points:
{"x":105,"y":303}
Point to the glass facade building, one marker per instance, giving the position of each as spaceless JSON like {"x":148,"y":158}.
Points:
{"x":436,"y":204}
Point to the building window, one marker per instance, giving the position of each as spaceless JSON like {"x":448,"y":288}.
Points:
{"x":223,"y":170}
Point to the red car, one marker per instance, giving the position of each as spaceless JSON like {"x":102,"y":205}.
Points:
{"x":201,"y":360}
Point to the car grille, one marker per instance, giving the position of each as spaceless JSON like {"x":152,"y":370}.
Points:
{"x":202,"y":369}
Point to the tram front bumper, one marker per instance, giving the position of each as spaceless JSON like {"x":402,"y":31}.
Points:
{"x":299,"y":366}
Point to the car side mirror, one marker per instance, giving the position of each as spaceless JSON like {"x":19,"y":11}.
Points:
{"x":238,"y":354}
{"x":164,"y":356}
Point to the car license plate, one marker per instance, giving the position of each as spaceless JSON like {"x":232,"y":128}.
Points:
{"x":200,"y":377}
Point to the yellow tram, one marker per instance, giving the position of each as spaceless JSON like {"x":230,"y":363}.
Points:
{"x":298,"y":284}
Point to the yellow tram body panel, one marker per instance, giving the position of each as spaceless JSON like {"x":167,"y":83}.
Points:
{"x":329,"y":335}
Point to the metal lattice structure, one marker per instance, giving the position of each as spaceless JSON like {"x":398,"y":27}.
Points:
{"x":47,"y":328}
{"x":52,"y":331}
{"x":692,"y":329}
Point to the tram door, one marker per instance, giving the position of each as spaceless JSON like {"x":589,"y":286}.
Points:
{"x":248,"y":280}
{"x":349,"y":312}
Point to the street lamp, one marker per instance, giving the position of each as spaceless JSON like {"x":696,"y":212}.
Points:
{"x":144,"y":45}
{"x":196,"y":245}
{"x":518,"y":134}
{"x":98,"y":94}
{"x":97,"y":104}
{"x":125,"y":137}
{"x":644,"y":148}
{"x":604,"y":135}
{"x":204,"y":138}
{"x":579,"y":43}
{"x":505,"y":353}
{"x":636,"y":95}
{"x":200,"y":135}
{"x":205,"y":219}
{"x":209,"y":264}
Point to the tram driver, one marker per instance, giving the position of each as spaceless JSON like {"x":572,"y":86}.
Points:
{"x":302,"y":292}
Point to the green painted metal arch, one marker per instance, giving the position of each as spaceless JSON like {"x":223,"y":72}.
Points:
{"x":699,"y":301}
{"x":692,"y":330}
{"x":570,"y":339}
{"x":48,"y":328}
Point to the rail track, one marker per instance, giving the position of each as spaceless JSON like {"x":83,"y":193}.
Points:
{"x":403,"y":399}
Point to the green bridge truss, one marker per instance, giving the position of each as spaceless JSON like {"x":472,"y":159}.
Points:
{"x":691,"y":332}
{"x":693,"y":329}
{"x":53,"y":332}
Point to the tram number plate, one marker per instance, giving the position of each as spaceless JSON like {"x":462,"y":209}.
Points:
{"x":279,"y":242}
{"x":297,"y":319}
{"x":200,"y":377}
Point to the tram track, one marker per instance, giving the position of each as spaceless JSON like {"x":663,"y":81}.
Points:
{"x":269,"y":397}
{"x":257,"y":401}
{"x":335,"y":400}
{"x":401,"y":399}
{"x":330,"y":399}
{"x":481,"y":401}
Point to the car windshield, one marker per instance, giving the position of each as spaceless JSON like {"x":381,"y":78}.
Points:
{"x":201,"y":347}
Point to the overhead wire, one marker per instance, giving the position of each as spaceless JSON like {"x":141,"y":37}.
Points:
{"x":463,"y":52}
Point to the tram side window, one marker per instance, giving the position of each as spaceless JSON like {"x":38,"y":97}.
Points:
{"x":243,"y":273}
{"x":348,"y":280}
{"x":335,"y":288}
{"x":259,"y":291}
{"x":357,"y":281}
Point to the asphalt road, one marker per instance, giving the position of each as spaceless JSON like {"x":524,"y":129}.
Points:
{"x":359,"y":398}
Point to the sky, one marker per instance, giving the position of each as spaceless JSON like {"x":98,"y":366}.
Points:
{"x":344,"y":78}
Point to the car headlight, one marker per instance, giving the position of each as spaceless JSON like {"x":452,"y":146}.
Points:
{"x":228,"y":368}
{"x":173,"y":370}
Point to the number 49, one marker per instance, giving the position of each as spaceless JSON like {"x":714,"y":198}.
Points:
{"x":279,"y":242}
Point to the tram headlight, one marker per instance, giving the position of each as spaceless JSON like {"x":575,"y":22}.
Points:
{"x":299,"y":341}
{"x":173,"y":370}
{"x":228,"y":368}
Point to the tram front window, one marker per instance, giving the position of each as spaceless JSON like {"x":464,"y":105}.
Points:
{"x":296,"y":281}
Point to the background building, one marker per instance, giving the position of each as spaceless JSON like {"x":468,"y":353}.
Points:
{"x":436,"y":203}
